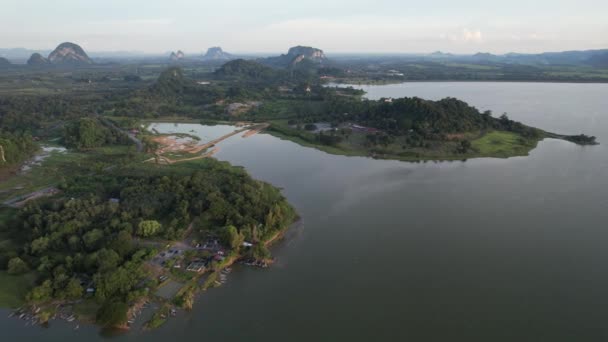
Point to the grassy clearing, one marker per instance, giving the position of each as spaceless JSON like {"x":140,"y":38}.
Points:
{"x":51,"y":172}
{"x":14,"y":288}
{"x":55,"y":168}
{"x":503,"y":145}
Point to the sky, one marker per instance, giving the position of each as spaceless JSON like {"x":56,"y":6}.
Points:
{"x":336,"y":26}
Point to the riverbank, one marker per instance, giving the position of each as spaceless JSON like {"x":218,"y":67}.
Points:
{"x":374,"y":82}
{"x":494,"y":144}
{"x":84,"y":305}
{"x":212,"y":277}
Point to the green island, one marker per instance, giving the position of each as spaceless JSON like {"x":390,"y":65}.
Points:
{"x":102,"y":218}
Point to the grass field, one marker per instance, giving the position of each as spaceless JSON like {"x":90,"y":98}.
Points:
{"x":54,"y":169}
{"x":503,"y":145}
{"x":14,"y":288}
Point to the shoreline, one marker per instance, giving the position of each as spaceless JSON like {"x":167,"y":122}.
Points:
{"x":211,"y":281}
{"x":30,"y":311}
{"x":422,"y":158}
{"x":382,"y":83}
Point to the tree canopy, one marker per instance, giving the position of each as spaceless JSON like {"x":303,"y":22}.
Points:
{"x":15,"y":147}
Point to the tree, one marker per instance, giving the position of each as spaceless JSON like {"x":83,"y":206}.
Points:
{"x":84,"y":133}
{"x":465,"y":146}
{"x":92,"y":238}
{"x":122,"y":243}
{"x":73,"y":290}
{"x":14,"y":148}
{"x":260,"y":252}
{"x":41,"y":293}
{"x":148,"y":228}
{"x":232,"y":237}
{"x":107,"y":259}
{"x":39,"y":245}
{"x":112,"y":314}
{"x":17,"y":266}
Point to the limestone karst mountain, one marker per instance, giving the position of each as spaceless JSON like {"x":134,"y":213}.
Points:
{"x":69,"y":53}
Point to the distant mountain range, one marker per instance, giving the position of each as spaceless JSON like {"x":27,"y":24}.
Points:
{"x":177,"y":56}
{"x":303,"y":57}
{"x":36,"y":59}
{"x":217,"y":54}
{"x":4,"y":62}
{"x":65,"y":54}
{"x":588,"y":57}
{"x":213,"y":54}
{"x":20,"y":53}
{"x":295,"y":56}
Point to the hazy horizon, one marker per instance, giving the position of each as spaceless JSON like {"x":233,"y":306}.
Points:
{"x":135,"y":53}
{"x":339,"y":27}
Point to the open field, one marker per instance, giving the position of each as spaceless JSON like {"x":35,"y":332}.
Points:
{"x":503,"y":144}
{"x":51,"y":172}
{"x":54,"y":169}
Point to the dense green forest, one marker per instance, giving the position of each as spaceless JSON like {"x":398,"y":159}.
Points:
{"x":430,"y":119}
{"x":294,"y":95}
{"x":88,"y":132}
{"x":15,"y":148}
{"x":241,"y":69}
{"x":94,"y":237}
{"x":452,"y":68}
{"x":291,"y":94}
{"x":88,"y":235}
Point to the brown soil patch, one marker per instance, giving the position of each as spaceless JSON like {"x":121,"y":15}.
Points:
{"x":455,"y":136}
{"x":169,"y":143}
{"x":255,"y":130}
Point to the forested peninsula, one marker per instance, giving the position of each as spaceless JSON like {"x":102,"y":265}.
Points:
{"x":97,"y":228}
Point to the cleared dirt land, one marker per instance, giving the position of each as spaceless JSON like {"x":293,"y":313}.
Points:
{"x":188,"y":147}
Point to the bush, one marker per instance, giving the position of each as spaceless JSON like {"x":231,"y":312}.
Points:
{"x":17,"y":266}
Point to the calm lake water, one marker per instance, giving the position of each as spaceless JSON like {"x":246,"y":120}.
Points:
{"x":483,"y":250}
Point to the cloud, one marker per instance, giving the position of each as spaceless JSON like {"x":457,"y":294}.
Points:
{"x":465,"y":35}
{"x":471,"y":36}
